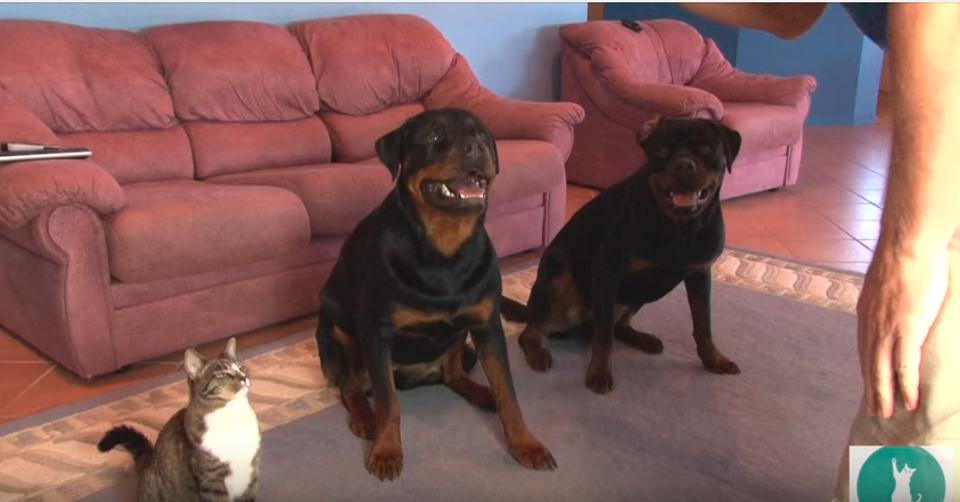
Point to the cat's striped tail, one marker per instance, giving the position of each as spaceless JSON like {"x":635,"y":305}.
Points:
{"x":131,"y":440}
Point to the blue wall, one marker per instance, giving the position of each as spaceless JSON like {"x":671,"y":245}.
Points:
{"x":846,"y":64}
{"x":514,"y":48}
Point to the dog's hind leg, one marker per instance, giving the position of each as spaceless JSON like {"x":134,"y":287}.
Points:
{"x":551,"y":282}
{"x":637,"y":339}
{"x":458,"y":381}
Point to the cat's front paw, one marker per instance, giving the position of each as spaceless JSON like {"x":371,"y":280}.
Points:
{"x":385,"y":462}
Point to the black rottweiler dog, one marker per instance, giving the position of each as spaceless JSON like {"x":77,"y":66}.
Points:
{"x":414,"y":277}
{"x":633,"y":244}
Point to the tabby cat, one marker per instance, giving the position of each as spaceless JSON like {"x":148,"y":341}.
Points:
{"x":208,"y":451}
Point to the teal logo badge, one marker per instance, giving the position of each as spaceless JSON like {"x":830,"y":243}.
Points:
{"x":901,"y":474}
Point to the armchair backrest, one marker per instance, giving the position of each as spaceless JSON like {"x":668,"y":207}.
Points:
{"x":664,"y":51}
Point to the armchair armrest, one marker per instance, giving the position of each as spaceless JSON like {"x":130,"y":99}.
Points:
{"x":666,"y":99}
{"x":506,"y":118}
{"x":27,"y":188}
{"x":717,"y":76}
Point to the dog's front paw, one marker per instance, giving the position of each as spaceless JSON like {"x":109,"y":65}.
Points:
{"x":720,"y":365}
{"x":533,"y":455}
{"x":538,"y":358}
{"x":599,"y":380}
{"x":386,"y":461}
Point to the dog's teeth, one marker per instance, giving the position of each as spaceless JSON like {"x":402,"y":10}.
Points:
{"x":445,"y":191}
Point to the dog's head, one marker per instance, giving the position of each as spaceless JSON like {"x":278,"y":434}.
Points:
{"x":443,"y":160}
{"x":687,"y":159}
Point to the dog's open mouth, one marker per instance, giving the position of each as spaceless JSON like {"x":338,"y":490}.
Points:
{"x":469,"y":191}
{"x":689,"y":201}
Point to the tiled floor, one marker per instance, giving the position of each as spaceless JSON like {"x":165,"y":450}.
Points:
{"x":830,"y":217}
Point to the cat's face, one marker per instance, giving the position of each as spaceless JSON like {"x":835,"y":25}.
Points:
{"x":220,"y":379}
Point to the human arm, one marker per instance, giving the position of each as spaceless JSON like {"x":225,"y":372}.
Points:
{"x":785,"y":20}
{"x":906,"y":282}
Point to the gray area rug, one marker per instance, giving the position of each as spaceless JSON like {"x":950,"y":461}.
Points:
{"x":669,"y":431}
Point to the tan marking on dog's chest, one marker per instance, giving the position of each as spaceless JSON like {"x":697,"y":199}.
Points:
{"x":480,"y":313}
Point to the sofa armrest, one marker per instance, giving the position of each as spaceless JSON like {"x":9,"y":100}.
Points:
{"x":27,"y":188}
{"x":506,"y":118}
{"x":717,"y":76}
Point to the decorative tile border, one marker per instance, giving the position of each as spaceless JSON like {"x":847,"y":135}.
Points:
{"x":58,"y":460}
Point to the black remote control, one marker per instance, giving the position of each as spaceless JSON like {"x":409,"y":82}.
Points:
{"x":633,"y":25}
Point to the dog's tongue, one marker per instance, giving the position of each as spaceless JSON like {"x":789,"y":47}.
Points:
{"x":684,"y":199}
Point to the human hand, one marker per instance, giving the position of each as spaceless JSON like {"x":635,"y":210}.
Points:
{"x":901,"y":298}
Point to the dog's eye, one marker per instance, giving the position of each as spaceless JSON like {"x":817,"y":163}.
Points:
{"x":434,"y":137}
{"x":704,"y":150}
{"x":663,"y":153}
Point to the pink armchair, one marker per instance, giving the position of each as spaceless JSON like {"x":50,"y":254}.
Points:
{"x":624,"y":78}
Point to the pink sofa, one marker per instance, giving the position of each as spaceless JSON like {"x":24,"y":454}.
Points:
{"x":625,"y":78}
{"x":230,"y":161}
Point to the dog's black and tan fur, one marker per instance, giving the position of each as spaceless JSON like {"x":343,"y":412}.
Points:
{"x":413,"y":279}
{"x":633,"y":244}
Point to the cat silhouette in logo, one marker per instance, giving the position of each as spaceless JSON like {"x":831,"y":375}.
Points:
{"x":901,"y":493}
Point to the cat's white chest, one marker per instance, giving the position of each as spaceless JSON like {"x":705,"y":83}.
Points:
{"x":233,"y":436}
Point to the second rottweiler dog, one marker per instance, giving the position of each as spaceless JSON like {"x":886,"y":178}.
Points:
{"x":633,"y":244}
{"x":413,"y":279}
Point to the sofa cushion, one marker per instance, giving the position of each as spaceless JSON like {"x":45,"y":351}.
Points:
{"x":235,"y":71}
{"x":337,"y":196}
{"x":84,"y":79}
{"x":763,"y":126}
{"x":134,"y":156}
{"x":176,"y":228}
{"x":364,"y":64}
{"x":354,"y":137}
{"x":226,"y":148}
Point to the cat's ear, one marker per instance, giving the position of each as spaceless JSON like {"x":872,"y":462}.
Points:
{"x":230,"y":351}
{"x":193,"y":362}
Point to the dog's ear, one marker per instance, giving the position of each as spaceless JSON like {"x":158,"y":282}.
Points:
{"x":390,"y":151}
{"x":731,"y":144}
{"x":496,"y":156}
{"x":646,"y":129}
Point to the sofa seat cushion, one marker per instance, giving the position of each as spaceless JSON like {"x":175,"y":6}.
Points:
{"x":177,"y":228}
{"x":337,"y":196}
{"x":763,"y":126}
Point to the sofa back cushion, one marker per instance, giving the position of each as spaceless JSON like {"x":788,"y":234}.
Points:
{"x":84,"y":79}
{"x":227,"y":148}
{"x":366,"y":64}
{"x":133,"y":156}
{"x":232,"y":71}
{"x":664,"y":51}
{"x":353,"y":136}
